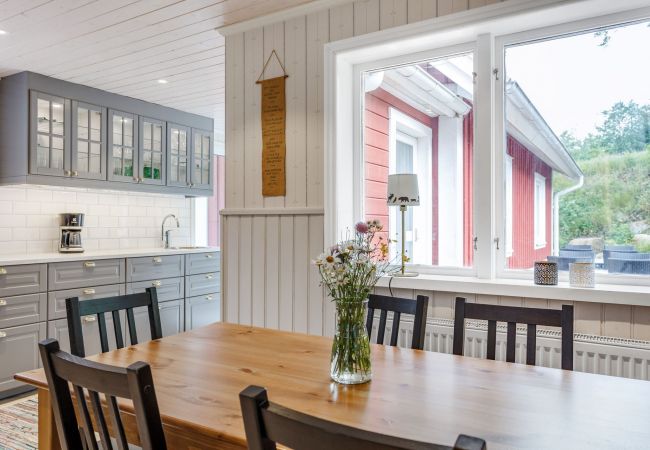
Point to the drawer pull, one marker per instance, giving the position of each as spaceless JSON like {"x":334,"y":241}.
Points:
{"x":88,"y":291}
{"x":3,"y":334}
{"x":90,"y":318}
{"x":209,"y":298}
{"x":89,"y":264}
{"x":156,"y":283}
{"x":208,"y":255}
{"x":3,"y":271}
{"x":3,"y":302}
{"x":209,"y":276}
{"x":157,"y":260}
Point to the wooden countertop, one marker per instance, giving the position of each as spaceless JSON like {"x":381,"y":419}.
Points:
{"x":416,"y":394}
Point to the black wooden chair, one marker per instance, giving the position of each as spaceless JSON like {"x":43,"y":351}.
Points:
{"x":398,"y":306}
{"x":267,"y":424}
{"x":513,"y":315}
{"x":76,"y":309}
{"x":89,"y":379}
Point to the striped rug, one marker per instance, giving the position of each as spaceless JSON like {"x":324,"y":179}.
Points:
{"x":19,"y":424}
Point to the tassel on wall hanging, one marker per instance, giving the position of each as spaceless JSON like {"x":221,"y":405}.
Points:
{"x":274,"y":115}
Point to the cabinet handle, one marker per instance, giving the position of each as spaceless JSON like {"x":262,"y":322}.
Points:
{"x":209,"y":298}
{"x":3,"y":271}
{"x":156,"y":283}
{"x":135,"y":179}
{"x":208,"y":255}
{"x":157,"y":260}
{"x":3,"y":302}
{"x":89,"y":264}
{"x":67,"y":173}
{"x":3,"y":334}
{"x":89,"y":319}
{"x":209,"y":276}
{"x":89,"y":291}
{"x":75,"y":173}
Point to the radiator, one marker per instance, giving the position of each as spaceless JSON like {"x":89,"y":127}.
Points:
{"x":594,"y":354}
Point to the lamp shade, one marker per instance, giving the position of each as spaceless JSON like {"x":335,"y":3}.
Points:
{"x":403,"y":190}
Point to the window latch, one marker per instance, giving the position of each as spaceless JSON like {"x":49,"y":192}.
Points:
{"x":496,"y":74}
{"x":496,"y":241}
{"x":475,"y":243}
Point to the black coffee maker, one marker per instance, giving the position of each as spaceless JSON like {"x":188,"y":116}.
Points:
{"x":71,"y":227}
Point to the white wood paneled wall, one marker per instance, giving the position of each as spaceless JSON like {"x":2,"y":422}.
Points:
{"x":267,"y":277}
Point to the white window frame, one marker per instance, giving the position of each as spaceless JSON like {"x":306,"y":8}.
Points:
{"x":486,"y":31}
{"x":539,"y":208}
{"x":421,"y":136}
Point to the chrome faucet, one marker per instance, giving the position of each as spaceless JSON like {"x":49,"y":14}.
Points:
{"x":165,"y":234}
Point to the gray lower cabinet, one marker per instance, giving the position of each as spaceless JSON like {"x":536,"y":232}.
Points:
{"x":197,"y":263}
{"x":205,"y":283}
{"x":56,"y":299}
{"x":58,"y":329}
{"x":23,"y":279}
{"x":23,"y":310}
{"x":154,"y":267}
{"x":78,"y":274}
{"x":172,"y":314}
{"x":18,"y":353}
{"x":166,"y":289}
{"x":202,"y":310}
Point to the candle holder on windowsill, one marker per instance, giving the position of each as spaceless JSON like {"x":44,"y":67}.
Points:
{"x":546,"y":273}
{"x":582,"y":274}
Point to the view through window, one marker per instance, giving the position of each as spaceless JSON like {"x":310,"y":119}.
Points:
{"x":418,"y":119}
{"x":578,"y":151}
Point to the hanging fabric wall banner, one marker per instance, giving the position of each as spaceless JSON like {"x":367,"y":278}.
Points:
{"x":273,"y":134}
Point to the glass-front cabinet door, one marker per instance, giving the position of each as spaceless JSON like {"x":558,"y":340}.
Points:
{"x":152,"y":151}
{"x":122,"y":147}
{"x":49,"y":135}
{"x":201,"y":172}
{"x":88,"y":141}
{"x":178,"y":155}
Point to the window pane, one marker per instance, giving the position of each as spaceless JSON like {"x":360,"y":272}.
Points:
{"x":418,"y":119}
{"x":578,"y":133}
{"x":43,"y":116}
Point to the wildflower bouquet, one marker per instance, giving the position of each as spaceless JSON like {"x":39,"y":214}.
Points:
{"x":349,"y":271}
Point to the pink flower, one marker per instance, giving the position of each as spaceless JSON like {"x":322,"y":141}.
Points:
{"x":361,"y":227}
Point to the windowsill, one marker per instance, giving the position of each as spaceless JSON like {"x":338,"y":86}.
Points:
{"x":602,"y":293}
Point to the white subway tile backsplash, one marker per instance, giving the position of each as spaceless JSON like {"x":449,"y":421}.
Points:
{"x":30,"y":218}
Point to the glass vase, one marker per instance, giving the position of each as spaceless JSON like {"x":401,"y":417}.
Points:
{"x":350,"y":361}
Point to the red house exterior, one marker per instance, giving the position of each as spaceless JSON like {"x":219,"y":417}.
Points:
{"x":525,"y":165}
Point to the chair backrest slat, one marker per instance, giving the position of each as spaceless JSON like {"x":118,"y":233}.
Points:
{"x":117,"y":328}
{"x":75,"y":309}
{"x":130,"y":320}
{"x":266,"y":424}
{"x":398,"y":306}
{"x":513,"y":315}
{"x":531,"y":344}
{"x":116,"y":422}
{"x":394,"y":332}
{"x":511,"y":342}
{"x":134,"y":383}
{"x":100,"y":420}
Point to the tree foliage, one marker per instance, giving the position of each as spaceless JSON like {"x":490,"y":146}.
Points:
{"x":615,"y":161}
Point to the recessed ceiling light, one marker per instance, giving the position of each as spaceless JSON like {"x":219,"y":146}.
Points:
{"x":3,"y":32}
{"x":161,"y":81}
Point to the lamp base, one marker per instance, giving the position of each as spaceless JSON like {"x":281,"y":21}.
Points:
{"x":406,"y":274}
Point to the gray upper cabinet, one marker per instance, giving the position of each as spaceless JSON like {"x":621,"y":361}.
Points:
{"x":49,"y":148}
{"x":88,"y":158}
{"x":53,"y":132}
{"x":179,"y":140}
{"x":153,"y":152}
{"x":201,"y":172}
{"x":123,"y":147}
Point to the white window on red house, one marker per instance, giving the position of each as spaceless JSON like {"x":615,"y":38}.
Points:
{"x":540,"y":211}
{"x":418,"y":119}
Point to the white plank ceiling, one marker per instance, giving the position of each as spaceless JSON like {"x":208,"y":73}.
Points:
{"x":126,"y":46}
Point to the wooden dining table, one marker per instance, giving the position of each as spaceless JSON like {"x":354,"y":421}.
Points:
{"x":414,"y":394}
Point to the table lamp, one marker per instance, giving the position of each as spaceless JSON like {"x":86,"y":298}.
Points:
{"x":403,"y":192}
